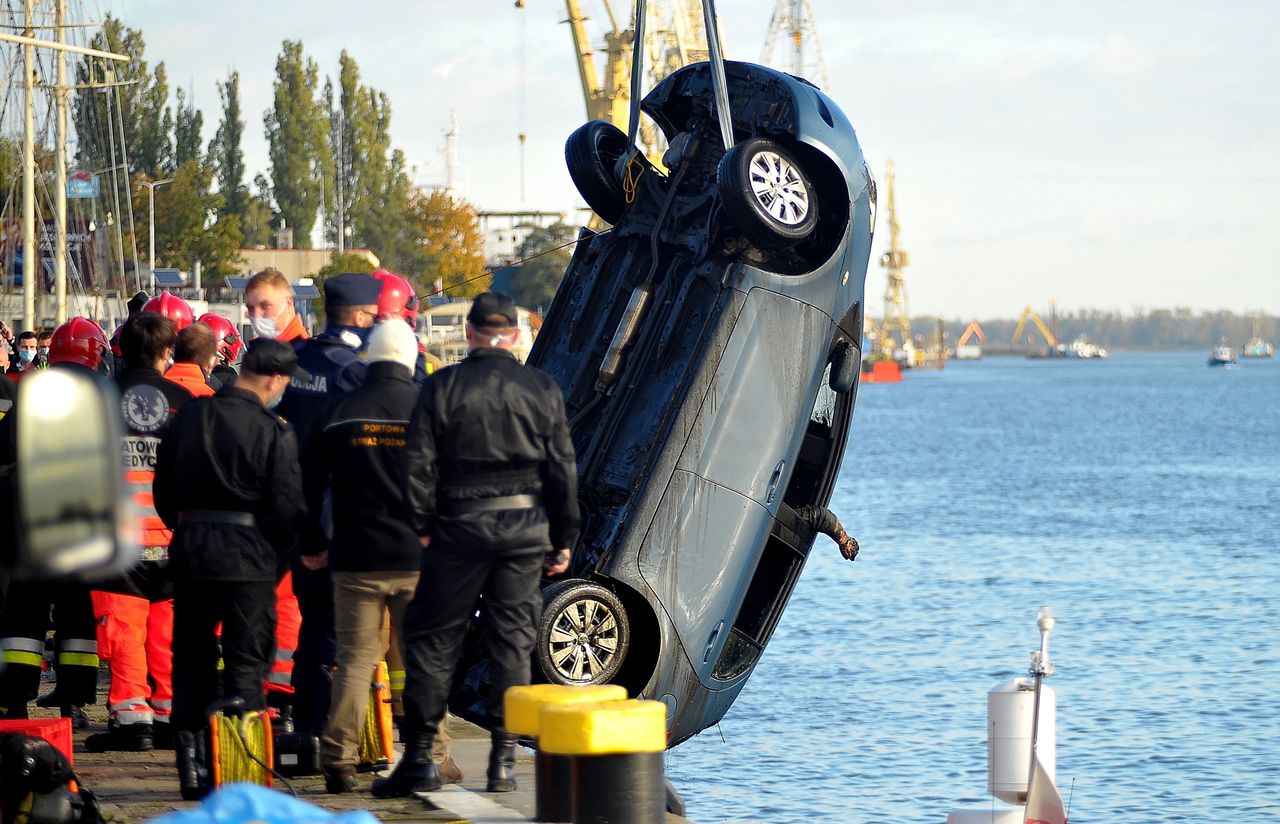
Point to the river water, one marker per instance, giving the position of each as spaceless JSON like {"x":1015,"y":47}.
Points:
{"x":1138,"y":497}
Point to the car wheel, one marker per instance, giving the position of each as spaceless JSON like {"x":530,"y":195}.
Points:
{"x":766,"y":195}
{"x":584,"y":633}
{"x":592,"y":153}
{"x":845,"y":363}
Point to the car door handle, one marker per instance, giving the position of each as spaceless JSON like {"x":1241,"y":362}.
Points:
{"x":711,"y":642}
{"x":774,"y":480}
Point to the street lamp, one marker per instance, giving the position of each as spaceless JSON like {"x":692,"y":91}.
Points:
{"x":151,"y":197}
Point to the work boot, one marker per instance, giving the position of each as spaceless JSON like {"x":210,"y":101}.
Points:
{"x":66,"y":709}
{"x":122,"y":738}
{"x":340,"y":780}
{"x":162,"y":735}
{"x":192,"y":774}
{"x":450,"y":772}
{"x":502,"y":762}
{"x":416,"y":773}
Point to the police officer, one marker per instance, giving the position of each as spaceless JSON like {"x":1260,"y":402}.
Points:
{"x":493,"y":499}
{"x":334,"y":367}
{"x":227,"y":481}
{"x":77,"y":344}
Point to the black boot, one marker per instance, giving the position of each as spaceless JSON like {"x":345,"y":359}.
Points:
{"x":192,"y":774}
{"x":162,"y":735}
{"x":122,"y":738}
{"x":502,"y":762}
{"x":66,"y":709}
{"x":416,"y":773}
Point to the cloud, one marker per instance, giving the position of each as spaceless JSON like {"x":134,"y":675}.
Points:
{"x":445,"y":70}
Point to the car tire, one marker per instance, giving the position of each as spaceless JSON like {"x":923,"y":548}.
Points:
{"x":766,"y":195}
{"x":584,"y":633}
{"x":845,"y":363}
{"x":592,"y":153}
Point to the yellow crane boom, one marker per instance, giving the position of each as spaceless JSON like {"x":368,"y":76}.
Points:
{"x":1044,"y":330}
{"x":971,"y":330}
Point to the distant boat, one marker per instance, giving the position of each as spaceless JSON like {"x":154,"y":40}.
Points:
{"x":1081,"y":348}
{"x":1223,"y":355}
{"x":1257,"y":348}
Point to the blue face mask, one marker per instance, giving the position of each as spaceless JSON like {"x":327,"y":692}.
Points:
{"x":272,"y":404}
{"x":26,"y":355}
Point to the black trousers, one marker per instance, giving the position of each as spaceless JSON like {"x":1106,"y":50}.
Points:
{"x":317,"y":648}
{"x":436,"y":623}
{"x":247,"y":610}
{"x":23,"y":625}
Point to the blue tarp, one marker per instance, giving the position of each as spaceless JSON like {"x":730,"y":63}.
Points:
{"x":242,"y":803}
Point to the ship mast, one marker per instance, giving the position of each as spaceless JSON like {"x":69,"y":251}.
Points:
{"x":31,"y":257}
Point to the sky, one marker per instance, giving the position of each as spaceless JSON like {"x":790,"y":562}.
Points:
{"x":1103,"y":154}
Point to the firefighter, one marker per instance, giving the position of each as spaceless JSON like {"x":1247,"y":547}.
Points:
{"x":334,"y":367}
{"x":77,"y":344}
{"x":135,"y":614}
{"x":229,"y":345}
{"x":172,"y":307}
{"x":493,"y":499}
{"x":228,"y":483}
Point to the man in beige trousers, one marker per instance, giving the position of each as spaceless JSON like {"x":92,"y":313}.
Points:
{"x":355,"y":452}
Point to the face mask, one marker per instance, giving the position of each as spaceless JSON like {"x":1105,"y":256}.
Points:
{"x":26,"y":355}
{"x":43,"y":351}
{"x":274,"y":402}
{"x":264,"y":327}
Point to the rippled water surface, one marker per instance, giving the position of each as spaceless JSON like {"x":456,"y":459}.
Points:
{"x":1137,"y":497}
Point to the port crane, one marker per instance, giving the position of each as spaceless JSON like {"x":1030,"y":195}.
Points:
{"x":793,"y":21}
{"x":1027,"y":314}
{"x":897,"y":318}
{"x":975,"y":329}
{"x":674,"y":36}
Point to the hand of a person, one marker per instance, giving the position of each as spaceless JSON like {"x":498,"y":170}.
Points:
{"x":849,"y":547}
{"x":556,"y":564}
{"x":316,"y":562}
{"x":425,"y":541}
{"x":6,"y":332}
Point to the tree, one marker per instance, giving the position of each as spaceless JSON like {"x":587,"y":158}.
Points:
{"x":368,"y":183}
{"x":187,"y":224}
{"x":138,"y":105}
{"x":225,"y":153}
{"x":256,"y":221}
{"x":296,"y":137}
{"x":546,"y":258}
{"x":450,"y":242}
{"x":186,"y":131}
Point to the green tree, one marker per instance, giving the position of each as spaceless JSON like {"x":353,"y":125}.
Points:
{"x":367,"y":180}
{"x":186,"y":131}
{"x":226,"y":154}
{"x":187,"y":224}
{"x":546,"y":258}
{"x":256,"y":221}
{"x":138,"y":105}
{"x":450,"y":243}
{"x":295,"y":127}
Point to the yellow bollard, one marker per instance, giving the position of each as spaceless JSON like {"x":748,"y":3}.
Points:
{"x":522,"y":711}
{"x":617,"y":749}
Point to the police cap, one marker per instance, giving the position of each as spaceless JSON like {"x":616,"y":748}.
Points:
{"x":266,"y":356}
{"x":352,"y":290}
{"x":488,"y":304}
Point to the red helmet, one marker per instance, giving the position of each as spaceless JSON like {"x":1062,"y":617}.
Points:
{"x":172,"y":307}
{"x":397,"y":299}
{"x":229,"y":341}
{"x":115,"y":342}
{"x":79,"y":340}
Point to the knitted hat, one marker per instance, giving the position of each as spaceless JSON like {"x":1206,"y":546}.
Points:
{"x":393,"y":341}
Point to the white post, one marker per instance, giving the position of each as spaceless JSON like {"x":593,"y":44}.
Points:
{"x":1041,"y":668}
{"x":60,"y":167}
{"x":151,"y":197}
{"x":30,"y":252}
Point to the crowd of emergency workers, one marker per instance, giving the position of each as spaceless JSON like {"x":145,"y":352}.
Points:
{"x":308,"y":507}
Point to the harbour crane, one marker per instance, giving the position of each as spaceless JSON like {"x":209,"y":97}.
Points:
{"x":1027,"y":314}
{"x":674,"y":36}
{"x":897,"y":318}
{"x":970,"y":331}
{"x":793,"y":21}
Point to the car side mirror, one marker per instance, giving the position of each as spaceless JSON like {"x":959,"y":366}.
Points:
{"x":73,"y":515}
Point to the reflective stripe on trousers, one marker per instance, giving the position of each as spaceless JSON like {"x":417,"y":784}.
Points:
{"x":77,"y":652}
{"x":24,"y":651}
{"x":132,"y":711}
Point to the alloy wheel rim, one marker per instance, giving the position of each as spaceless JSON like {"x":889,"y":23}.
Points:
{"x":778,"y":188}
{"x":583,"y":640}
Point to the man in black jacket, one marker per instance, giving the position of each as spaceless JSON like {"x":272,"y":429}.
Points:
{"x":493,"y":492}
{"x":356,"y":451}
{"x":227,"y":482}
